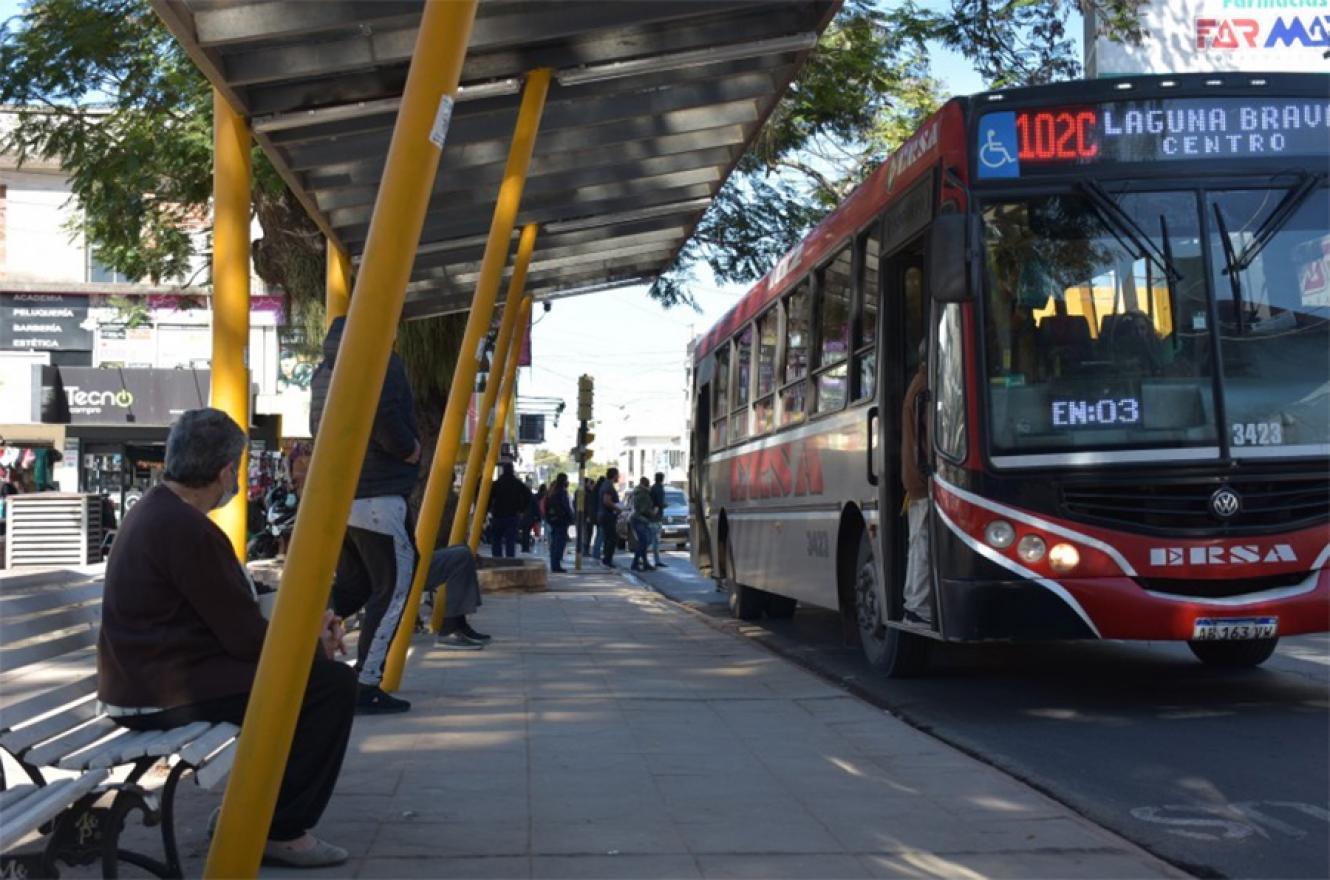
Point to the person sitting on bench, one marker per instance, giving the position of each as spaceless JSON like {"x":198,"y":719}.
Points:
{"x":181,"y":632}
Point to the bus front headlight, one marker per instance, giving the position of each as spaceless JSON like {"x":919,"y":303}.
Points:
{"x":1063,"y":558}
{"x":1031,"y":549}
{"x":999,"y":534}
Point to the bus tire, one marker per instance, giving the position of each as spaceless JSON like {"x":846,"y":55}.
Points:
{"x":892,"y":652}
{"x":781,"y":607}
{"x":1234,"y":655}
{"x":746,"y":603}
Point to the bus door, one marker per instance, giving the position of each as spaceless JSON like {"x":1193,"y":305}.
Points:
{"x":902,"y":331}
{"x":699,"y":501}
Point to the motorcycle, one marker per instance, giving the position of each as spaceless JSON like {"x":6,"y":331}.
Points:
{"x":279,"y":516}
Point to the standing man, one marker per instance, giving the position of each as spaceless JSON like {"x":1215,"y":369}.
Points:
{"x":558,"y":514}
{"x":378,"y":559}
{"x":510,"y":499}
{"x":918,"y":592}
{"x":609,"y":514}
{"x":657,"y":499}
{"x":595,"y":543}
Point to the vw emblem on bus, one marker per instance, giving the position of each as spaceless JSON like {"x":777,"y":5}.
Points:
{"x":1225,"y":503}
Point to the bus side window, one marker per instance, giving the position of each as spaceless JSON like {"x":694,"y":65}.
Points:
{"x":865,"y":356}
{"x":948,"y":383}
{"x":764,"y":406}
{"x":833,"y":306}
{"x":794,"y":394}
{"x":743,"y":375}
{"x":721,"y":403}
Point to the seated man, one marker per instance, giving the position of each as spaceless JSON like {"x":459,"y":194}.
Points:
{"x":181,"y":632}
{"x":456,"y":566}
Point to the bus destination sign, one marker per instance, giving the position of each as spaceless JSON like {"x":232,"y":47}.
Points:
{"x":1016,"y":143}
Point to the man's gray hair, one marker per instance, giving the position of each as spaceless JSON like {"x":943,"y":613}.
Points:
{"x":201,"y":443}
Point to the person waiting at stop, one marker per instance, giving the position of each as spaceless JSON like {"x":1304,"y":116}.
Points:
{"x":914,"y":437}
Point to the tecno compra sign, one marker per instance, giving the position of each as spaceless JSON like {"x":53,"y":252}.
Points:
{"x":1209,"y":36}
{"x":94,"y":396}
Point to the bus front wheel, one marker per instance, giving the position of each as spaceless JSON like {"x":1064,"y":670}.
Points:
{"x":892,"y":652}
{"x":1234,"y":655}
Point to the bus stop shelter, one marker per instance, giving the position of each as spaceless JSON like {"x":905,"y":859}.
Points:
{"x":421,"y":138}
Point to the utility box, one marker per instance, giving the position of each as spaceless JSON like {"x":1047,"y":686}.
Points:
{"x":53,"y":528}
{"x":531,"y":428}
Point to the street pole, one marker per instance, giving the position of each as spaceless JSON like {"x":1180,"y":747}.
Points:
{"x":581,"y":495}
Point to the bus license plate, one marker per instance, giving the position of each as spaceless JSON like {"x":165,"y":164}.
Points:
{"x":1219,"y":629}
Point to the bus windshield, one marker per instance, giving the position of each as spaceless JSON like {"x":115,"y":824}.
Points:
{"x":1098,"y":323}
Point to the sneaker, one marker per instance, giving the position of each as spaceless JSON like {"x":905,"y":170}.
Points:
{"x":321,"y":855}
{"x":472,"y":634}
{"x":374,"y":701}
{"x":649,"y":567}
{"x":913,"y":617}
{"x":660,"y":564}
{"x":457,"y":641}
{"x":558,"y":571}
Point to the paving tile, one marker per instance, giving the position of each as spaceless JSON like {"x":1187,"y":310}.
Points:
{"x":639,"y":867}
{"x":757,"y":832}
{"x":624,"y":835}
{"x":495,"y":868}
{"x":783,"y":867}
{"x":409,"y":839}
{"x":1016,"y":865}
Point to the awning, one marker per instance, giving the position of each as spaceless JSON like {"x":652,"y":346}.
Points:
{"x":32,"y":435}
{"x":652,"y":105}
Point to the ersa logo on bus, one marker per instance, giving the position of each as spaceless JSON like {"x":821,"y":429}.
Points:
{"x":1286,"y":31}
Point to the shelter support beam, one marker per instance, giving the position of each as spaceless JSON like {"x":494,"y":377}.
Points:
{"x":338,"y":284}
{"x":510,"y":335}
{"x":464,"y":376}
{"x":283,"y":671}
{"x":507,"y":391}
{"x":230,"y":294}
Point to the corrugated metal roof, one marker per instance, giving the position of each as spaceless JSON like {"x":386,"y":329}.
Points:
{"x":653,"y":103}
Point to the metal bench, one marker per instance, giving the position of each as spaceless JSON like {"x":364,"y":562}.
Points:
{"x":84,"y":772}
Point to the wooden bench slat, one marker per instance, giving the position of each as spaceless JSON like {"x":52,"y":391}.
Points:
{"x":217,"y":768}
{"x":82,"y":760}
{"x":31,"y":603}
{"x":50,"y":752}
{"x":205,"y":745}
{"x":46,"y":806}
{"x":171,"y":740}
{"x":28,"y":736}
{"x":9,"y":659}
{"x":12,"y":632}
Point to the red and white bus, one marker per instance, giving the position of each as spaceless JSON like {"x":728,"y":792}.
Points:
{"x":1124,"y":290}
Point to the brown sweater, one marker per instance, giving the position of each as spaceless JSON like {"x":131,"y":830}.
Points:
{"x":915,"y":484}
{"x":179,"y":621}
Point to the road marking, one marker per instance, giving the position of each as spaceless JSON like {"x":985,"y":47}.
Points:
{"x":1235,"y":821}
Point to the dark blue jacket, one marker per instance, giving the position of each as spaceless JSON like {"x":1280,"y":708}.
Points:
{"x":394,"y":437}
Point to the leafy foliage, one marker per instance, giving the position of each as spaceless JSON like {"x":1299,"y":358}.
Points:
{"x":865,"y":88}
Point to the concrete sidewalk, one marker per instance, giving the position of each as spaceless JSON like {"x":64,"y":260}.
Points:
{"x":609,"y":733}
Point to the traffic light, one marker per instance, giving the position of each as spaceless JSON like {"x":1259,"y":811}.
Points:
{"x":585,"y":395}
{"x":582,"y":452}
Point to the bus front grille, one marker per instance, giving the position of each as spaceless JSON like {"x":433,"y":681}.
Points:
{"x":1215,"y":588}
{"x":1268,"y":504}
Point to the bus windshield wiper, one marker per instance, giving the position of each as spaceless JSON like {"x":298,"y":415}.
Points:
{"x":1230,"y":266}
{"x":1123,"y":225}
{"x":1275,"y":221}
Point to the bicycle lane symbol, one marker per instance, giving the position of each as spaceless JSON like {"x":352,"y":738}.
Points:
{"x":997,"y":147}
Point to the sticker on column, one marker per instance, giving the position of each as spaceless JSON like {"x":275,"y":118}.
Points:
{"x":439,"y":131}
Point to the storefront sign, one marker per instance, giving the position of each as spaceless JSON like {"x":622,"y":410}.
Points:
{"x":1209,"y":36}
{"x":44,"y":322}
{"x":89,"y":396}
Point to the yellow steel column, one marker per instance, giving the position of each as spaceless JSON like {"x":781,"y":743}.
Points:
{"x":338,"y":284}
{"x":394,"y":233}
{"x":230,"y":293}
{"x":506,"y":393}
{"x":464,"y":376}
{"x":508,"y":334}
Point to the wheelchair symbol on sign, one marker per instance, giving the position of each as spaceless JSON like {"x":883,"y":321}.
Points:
{"x":994,"y":153}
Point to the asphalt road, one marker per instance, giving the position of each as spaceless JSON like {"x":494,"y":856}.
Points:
{"x":1222,"y":773}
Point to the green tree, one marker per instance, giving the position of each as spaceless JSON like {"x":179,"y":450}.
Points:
{"x":865,"y":88}
{"x":102,"y":87}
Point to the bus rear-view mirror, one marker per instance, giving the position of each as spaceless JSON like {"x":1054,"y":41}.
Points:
{"x":950,"y":245}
